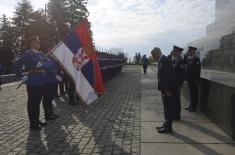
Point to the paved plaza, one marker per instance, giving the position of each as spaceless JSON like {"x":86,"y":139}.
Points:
{"x":122,"y":122}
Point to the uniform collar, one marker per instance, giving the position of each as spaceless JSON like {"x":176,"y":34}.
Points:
{"x":192,"y":56}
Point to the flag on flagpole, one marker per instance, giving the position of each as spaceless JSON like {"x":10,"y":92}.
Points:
{"x":77,"y":55}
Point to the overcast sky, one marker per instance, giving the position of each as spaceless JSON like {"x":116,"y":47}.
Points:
{"x":139,"y":25}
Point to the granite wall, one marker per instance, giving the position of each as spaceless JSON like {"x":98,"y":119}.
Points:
{"x":217,"y":101}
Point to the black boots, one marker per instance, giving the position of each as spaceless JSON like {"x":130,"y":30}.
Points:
{"x":166,"y":128}
{"x":50,"y":115}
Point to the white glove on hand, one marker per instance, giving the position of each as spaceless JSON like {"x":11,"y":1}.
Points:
{"x":24,"y":78}
{"x":39,"y":65}
{"x":58,"y":78}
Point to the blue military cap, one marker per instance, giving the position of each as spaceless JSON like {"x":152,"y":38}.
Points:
{"x":193,"y":48}
{"x":178,"y":48}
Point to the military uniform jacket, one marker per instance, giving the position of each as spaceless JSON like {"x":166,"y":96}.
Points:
{"x":193,"y":68}
{"x":52,"y":70}
{"x":30,"y":59}
{"x":179,"y":69}
{"x":166,"y":76}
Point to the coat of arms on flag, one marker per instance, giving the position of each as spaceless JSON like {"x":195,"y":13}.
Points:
{"x":77,"y":55}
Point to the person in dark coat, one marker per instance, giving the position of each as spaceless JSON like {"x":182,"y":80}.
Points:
{"x":33,"y":60}
{"x":167,"y":86}
{"x":193,"y":69}
{"x":145,"y":63}
{"x":179,"y":69}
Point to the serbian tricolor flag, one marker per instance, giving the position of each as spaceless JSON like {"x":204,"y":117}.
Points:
{"x":77,"y":55}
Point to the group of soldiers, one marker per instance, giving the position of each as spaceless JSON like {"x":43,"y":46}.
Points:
{"x":45,"y":75}
{"x":110,"y":64}
{"x":41,"y":80}
{"x":173,"y":70}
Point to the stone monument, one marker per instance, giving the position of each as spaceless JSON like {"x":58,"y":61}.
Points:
{"x":217,"y":49}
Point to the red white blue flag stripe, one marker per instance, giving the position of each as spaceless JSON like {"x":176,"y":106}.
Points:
{"x":77,"y":55}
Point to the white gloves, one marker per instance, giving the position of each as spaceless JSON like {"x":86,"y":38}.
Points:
{"x":24,"y":78}
{"x":39,"y":65}
{"x":58,"y":78}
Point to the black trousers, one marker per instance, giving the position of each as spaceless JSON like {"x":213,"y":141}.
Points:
{"x":177,"y":108}
{"x":145,"y":69}
{"x":33,"y":106}
{"x":193,"y":90}
{"x":71,"y":91}
{"x":49,"y":93}
{"x":168,"y":104}
{"x":63,"y":86}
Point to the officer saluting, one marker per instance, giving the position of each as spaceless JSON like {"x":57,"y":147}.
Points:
{"x":193,"y":68}
{"x":167,"y":86}
{"x":33,"y":60}
{"x":178,"y":64}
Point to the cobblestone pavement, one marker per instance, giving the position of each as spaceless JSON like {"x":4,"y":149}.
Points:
{"x":111,"y":126}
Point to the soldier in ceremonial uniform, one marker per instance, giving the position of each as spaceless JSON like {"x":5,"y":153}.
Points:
{"x":193,"y":69}
{"x":34,"y":80}
{"x":179,"y":68}
{"x":167,"y":86}
{"x":52,"y":78}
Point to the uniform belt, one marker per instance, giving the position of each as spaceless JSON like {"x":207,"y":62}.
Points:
{"x":37,"y":70}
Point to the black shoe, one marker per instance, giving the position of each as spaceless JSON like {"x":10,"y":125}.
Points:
{"x":192,"y":110}
{"x":72,"y":103}
{"x":165,"y":130}
{"x":35,"y":127}
{"x":50,"y":117}
{"x":160,"y":127}
{"x":55,"y":115}
{"x":42,"y":123}
{"x":187,"y":108}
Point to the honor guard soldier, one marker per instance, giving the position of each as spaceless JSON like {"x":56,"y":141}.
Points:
{"x":167,"y":86}
{"x":179,"y":69}
{"x":34,"y":80}
{"x":52,"y":78}
{"x":193,"y":69}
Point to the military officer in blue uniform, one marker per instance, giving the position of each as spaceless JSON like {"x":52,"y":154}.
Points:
{"x":167,"y":86}
{"x":193,"y":69}
{"x":179,"y":69}
{"x":33,"y":60}
{"x":52,"y":78}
